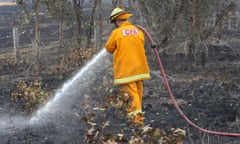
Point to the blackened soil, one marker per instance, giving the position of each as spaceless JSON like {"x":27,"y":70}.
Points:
{"x":208,"y":95}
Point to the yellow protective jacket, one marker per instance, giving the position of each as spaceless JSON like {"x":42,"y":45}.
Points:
{"x":129,"y":59}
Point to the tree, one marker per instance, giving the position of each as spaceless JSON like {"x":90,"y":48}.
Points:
{"x":117,"y":3}
{"x":100,"y":26}
{"x":175,"y":22}
{"x":91,"y":24}
{"x":37,"y":35}
{"x":61,"y":34}
{"x":77,"y":7}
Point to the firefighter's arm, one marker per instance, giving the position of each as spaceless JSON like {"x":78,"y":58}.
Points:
{"x":111,"y":43}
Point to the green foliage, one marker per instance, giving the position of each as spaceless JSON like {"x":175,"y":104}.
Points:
{"x":29,"y":94}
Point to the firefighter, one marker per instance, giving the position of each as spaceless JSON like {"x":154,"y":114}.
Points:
{"x":130,"y":66}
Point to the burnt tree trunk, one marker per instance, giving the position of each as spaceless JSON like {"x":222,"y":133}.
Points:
{"x":77,"y":6}
{"x":91,"y":24}
{"x":37,"y":35}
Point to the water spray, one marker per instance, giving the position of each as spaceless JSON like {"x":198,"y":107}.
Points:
{"x":49,"y":107}
{"x":10,"y":123}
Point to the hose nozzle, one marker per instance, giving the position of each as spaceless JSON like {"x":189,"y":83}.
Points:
{"x":153,"y":46}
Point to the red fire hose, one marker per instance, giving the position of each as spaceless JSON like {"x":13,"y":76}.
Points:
{"x":173,"y":98}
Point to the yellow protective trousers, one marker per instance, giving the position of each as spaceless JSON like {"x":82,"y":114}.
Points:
{"x":134,"y":89}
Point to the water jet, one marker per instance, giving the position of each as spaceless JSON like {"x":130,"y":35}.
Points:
{"x":60,"y":102}
{"x":68,"y":87}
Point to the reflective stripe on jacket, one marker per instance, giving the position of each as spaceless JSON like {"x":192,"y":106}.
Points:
{"x":129,"y":59}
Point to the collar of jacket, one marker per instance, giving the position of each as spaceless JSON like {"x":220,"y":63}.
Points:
{"x":125,"y":23}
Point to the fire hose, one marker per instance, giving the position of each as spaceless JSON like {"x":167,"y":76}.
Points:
{"x":154,"y":46}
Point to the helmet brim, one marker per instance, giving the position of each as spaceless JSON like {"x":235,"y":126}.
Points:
{"x":121,"y":16}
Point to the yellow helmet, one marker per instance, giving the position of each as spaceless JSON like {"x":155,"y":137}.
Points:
{"x":119,"y":14}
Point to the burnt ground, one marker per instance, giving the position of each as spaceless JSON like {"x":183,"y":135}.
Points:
{"x":208,"y":95}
